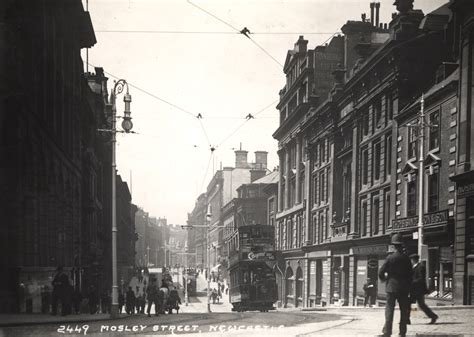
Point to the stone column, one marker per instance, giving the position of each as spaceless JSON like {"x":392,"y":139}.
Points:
{"x":355,"y":181}
{"x":307,"y":198}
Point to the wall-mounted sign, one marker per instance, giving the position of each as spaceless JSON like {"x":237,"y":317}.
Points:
{"x":429,"y":219}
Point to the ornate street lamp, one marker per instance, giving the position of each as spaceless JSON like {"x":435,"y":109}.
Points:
{"x":127,"y":126}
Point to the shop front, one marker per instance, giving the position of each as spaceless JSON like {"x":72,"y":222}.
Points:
{"x":437,"y":251}
{"x":367,"y":261}
{"x":294,"y":283}
{"x":318,"y":277}
{"x":339,"y":277}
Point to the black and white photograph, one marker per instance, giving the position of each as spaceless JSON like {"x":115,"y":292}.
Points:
{"x":231,"y":168}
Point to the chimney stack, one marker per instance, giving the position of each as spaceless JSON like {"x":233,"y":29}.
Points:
{"x":372,"y":7}
{"x":301,"y":46}
{"x":261,"y":160}
{"x":241,"y":159}
{"x":377,"y":13}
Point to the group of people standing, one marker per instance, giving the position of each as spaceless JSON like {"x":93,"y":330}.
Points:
{"x":164,"y":298}
{"x":71,"y":299}
{"x":405,"y":282}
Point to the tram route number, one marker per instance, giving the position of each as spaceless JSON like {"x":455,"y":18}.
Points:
{"x":73,"y":329}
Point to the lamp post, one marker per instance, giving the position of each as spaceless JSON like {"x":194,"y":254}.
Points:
{"x":421,"y":169}
{"x":420,"y":127}
{"x":127,"y":125}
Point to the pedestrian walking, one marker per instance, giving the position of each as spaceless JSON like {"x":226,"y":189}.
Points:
{"x":369,"y":290}
{"x":419,"y":288}
{"x":152,"y":297}
{"x":164,"y":294}
{"x":130,"y":301}
{"x":397,"y":273}
{"x":60,"y":283}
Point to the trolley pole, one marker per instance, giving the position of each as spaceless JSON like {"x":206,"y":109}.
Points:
{"x":208,"y":220}
{"x":186,"y":286}
{"x":421,"y":170}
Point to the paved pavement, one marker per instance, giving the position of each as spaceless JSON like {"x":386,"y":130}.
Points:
{"x":333,"y":321}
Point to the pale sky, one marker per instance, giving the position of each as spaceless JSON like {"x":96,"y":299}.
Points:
{"x":224,"y":77}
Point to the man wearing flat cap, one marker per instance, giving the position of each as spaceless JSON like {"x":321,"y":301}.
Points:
{"x":419,"y":288}
{"x":397,"y":273}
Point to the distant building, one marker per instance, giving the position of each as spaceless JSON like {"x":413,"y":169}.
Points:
{"x":249,"y":208}
{"x":126,"y":236}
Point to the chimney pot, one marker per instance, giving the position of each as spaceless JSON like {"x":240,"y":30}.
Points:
{"x":377,"y":14}
{"x":241,"y":159}
{"x":372,"y":7}
{"x":261,"y":160}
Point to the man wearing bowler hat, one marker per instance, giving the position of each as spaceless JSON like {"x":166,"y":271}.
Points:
{"x":419,"y":288}
{"x":397,"y":273}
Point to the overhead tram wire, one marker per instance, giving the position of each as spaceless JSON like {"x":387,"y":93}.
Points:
{"x":198,"y":116}
{"x":207,"y":170}
{"x":161,"y":100}
{"x":214,"y":16}
{"x":208,"y":32}
{"x":244,"y":31}
{"x":246,"y":120}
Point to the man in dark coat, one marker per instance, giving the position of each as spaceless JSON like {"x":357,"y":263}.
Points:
{"x":419,"y":288}
{"x":397,"y":273}
{"x":152,"y":297}
{"x":369,"y":290}
{"x":130,"y":301}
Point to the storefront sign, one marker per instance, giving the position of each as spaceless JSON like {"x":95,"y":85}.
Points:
{"x":370,"y":250}
{"x":429,"y":219}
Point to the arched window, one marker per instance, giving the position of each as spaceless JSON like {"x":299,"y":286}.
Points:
{"x":290,"y":284}
{"x":299,"y":287}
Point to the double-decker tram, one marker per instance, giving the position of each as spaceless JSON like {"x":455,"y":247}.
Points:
{"x":252,"y":258}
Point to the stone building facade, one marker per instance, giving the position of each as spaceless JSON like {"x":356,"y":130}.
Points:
{"x":55,"y":169}
{"x":349,"y":164}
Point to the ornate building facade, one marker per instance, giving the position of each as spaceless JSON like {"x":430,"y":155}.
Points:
{"x":349,"y":159}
